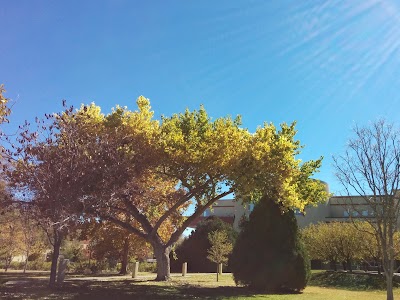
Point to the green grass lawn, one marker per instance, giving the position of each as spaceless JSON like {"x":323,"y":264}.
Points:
{"x":194,"y":286}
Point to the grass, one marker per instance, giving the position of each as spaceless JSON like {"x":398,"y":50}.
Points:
{"x":194,"y":286}
{"x":350,"y":281}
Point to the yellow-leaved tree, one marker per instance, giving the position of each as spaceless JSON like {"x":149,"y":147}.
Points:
{"x":142,"y":173}
{"x":160,"y":167}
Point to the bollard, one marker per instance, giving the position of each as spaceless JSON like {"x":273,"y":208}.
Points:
{"x":62,"y":268}
{"x":220,"y":269}
{"x":184,"y":269}
{"x":135,"y":270}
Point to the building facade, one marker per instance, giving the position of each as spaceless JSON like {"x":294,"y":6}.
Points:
{"x":229,"y":210}
{"x":336,"y":208}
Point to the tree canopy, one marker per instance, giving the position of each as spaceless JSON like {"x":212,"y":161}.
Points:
{"x":142,"y":174}
{"x":220,"y":248}
{"x":335,"y":242}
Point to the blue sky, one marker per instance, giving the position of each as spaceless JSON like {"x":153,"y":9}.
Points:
{"x":326,"y":64}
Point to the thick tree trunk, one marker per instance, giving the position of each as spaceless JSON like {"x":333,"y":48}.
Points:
{"x":54,"y":261}
{"x":389,"y":286}
{"x":163,"y":264}
{"x":125,"y":257}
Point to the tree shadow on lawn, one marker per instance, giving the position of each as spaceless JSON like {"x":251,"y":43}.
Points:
{"x":19,"y":276}
{"x":131,"y":290}
{"x":359,"y":281}
{"x":34,"y":288}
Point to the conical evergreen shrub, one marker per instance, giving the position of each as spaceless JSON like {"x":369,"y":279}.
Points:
{"x":269,"y":254}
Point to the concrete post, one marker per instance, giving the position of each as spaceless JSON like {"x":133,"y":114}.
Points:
{"x":135,"y":270}
{"x":62,"y":268}
{"x":220,"y":269}
{"x":184,"y":269}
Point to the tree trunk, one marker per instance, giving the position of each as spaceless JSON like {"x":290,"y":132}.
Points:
{"x":388,"y":268}
{"x":389,"y":286}
{"x":349,"y":265}
{"x":333,"y":265}
{"x":7,"y":263}
{"x":90,"y":256}
{"x":163,"y":264}
{"x":26,"y":264}
{"x":125,"y":257}
{"x":54,"y":261}
{"x":379,"y":267}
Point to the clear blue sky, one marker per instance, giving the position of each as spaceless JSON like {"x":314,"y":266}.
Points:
{"x":326,"y":64}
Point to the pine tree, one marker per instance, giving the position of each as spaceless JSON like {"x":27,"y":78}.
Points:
{"x":269,"y":254}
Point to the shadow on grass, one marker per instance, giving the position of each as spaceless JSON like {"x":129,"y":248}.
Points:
{"x":36,"y":288}
{"x":98,"y":275}
{"x":129,"y":290}
{"x":13,"y":276}
{"x":350,"y":281}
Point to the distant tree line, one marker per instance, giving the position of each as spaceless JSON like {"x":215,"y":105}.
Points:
{"x":347,"y":244}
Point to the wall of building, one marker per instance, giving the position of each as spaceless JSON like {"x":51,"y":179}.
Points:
{"x":336,"y":208}
{"x":229,"y":208}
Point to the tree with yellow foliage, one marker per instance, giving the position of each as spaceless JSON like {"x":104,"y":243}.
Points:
{"x":220,"y":248}
{"x":10,"y":237}
{"x":158,"y":168}
{"x":108,"y":241}
{"x":142,"y":174}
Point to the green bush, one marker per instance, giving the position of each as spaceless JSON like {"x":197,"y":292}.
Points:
{"x":39,"y":265}
{"x":72,"y":250}
{"x":269,"y":254}
{"x":17,"y":265}
{"x":35,"y":256}
{"x":148,"y":267}
{"x":42,"y":265}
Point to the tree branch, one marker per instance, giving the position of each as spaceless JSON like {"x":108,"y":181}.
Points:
{"x":175,"y":236}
